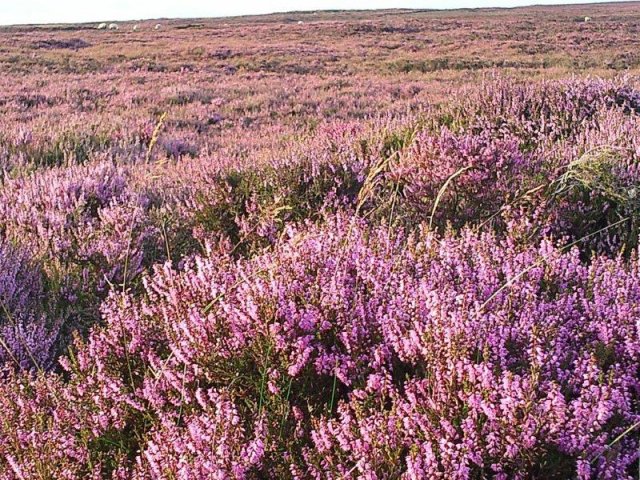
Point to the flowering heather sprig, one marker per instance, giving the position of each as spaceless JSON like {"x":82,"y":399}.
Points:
{"x":27,"y":337}
{"x":210,"y":444}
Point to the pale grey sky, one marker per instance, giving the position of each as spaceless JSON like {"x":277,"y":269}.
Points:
{"x":69,"y":11}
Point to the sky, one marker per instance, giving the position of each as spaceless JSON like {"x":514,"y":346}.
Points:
{"x":72,"y":11}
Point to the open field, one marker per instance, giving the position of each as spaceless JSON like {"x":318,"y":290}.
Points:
{"x":329,"y":245}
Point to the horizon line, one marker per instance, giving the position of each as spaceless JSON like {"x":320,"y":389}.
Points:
{"x":316,"y":11}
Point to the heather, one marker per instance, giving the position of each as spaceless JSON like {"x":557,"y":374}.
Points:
{"x":322,"y":250}
{"x":347,"y":351}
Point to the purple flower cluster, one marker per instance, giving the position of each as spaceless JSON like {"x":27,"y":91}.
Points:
{"x":26,"y":337}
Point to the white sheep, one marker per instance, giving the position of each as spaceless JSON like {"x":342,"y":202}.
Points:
{"x":587,"y":19}
{"x":113,"y":26}
{"x":102,"y":26}
{"x":157,"y":27}
{"x":135,"y":28}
